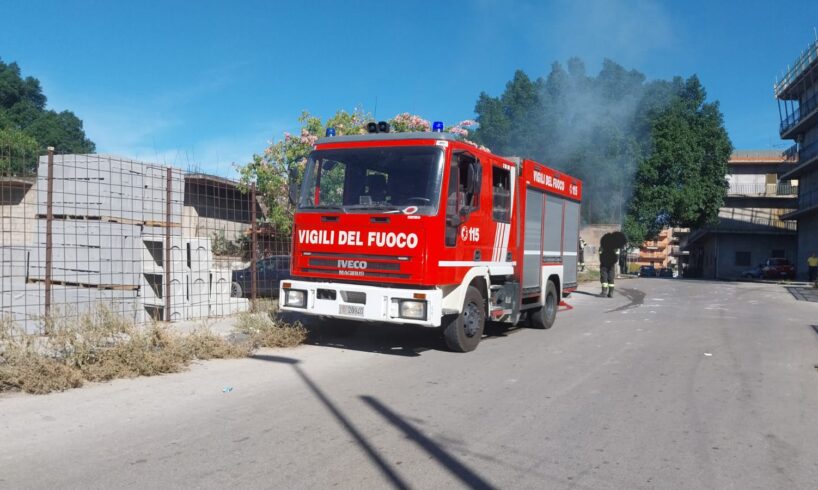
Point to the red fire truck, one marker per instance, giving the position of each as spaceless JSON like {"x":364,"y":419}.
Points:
{"x":426,"y":229}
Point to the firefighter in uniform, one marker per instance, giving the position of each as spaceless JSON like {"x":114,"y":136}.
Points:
{"x":581,"y":254}
{"x":608,"y":260}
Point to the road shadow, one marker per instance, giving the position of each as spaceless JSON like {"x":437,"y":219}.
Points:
{"x":635,"y":297}
{"x":343,"y":421}
{"x":809,"y":294}
{"x":386,"y":338}
{"x":466,"y":475}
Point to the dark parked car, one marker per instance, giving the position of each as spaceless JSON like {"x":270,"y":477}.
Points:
{"x":665,"y":272}
{"x":647,"y":271}
{"x":754,"y":273}
{"x":778,"y":268}
{"x":269,"y":272}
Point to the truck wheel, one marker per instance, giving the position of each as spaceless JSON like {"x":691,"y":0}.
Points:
{"x":544,"y":316}
{"x":464,"y":331}
{"x":236,"y":291}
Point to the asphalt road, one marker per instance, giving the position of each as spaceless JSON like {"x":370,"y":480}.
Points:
{"x":671,"y":384}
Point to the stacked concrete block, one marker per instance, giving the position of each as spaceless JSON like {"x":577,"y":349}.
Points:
{"x":110,"y":235}
{"x":110,"y":187}
{"x":154,"y":280}
{"x":89,"y":253}
{"x":25,"y":305}
{"x":14,"y":263}
{"x":199,"y":262}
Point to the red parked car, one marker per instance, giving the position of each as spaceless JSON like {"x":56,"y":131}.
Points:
{"x":778,"y":269}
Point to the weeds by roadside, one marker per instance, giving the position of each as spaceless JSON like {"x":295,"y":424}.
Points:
{"x":264,"y":330}
{"x":100,"y":346}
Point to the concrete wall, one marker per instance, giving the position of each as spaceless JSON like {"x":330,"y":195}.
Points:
{"x":718,"y":252}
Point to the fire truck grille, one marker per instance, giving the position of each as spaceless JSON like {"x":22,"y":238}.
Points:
{"x":359,"y":265}
{"x":341,"y":263}
{"x":354,"y":273}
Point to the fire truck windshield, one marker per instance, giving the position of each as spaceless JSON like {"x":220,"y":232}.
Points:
{"x":381,"y":179}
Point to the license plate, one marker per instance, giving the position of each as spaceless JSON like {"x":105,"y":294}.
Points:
{"x":352,"y":310}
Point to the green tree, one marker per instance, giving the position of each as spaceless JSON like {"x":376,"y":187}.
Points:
{"x":600,"y":128}
{"x":23,"y":112}
{"x":18,"y":152}
{"x":682,"y":181}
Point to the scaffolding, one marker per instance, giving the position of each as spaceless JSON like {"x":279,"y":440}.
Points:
{"x":795,"y":105}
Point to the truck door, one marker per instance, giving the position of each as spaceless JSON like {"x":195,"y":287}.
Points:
{"x":463,"y":210}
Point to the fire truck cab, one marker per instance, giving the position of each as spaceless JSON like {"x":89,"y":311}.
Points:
{"x":426,"y":229}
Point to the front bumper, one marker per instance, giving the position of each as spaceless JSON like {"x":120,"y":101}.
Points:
{"x":361,"y":302}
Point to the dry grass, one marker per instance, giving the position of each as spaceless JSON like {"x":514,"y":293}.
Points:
{"x":100,"y":346}
{"x":265,"y":330}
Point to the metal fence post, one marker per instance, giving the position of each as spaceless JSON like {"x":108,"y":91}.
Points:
{"x":49,"y":210}
{"x":253,"y":246}
{"x":168,"y":208}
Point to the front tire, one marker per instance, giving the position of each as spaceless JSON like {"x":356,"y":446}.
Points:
{"x":544,"y":316}
{"x":464,"y":331}
{"x":236,"y":291}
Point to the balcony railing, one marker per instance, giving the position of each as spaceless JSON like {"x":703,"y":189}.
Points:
{"x":802,"y":63}
{"x":791,"y":154}
{"x":808,"y":152}
{"x":762,"y":190}
{"x":805,"y":109}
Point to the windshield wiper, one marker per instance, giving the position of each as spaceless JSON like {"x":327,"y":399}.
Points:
{"x":324,"y":206}
{"x":373,"y":207}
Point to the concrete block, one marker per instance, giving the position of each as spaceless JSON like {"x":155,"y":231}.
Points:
{"x":91,"y":233}
{"x":14,"y":262}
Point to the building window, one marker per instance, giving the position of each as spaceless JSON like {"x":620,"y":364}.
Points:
{"x":777,"y":254}
{"x":743,"y":258}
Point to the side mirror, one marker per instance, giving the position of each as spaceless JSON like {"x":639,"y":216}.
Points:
{"x":293,"y":186}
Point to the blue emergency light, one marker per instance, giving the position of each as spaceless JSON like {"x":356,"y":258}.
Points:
{"x":437,"y":127}
{"x":330,"y":132}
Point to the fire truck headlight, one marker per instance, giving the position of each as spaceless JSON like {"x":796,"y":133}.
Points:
{"x":415,"y":310}
{"x":296,"y":298}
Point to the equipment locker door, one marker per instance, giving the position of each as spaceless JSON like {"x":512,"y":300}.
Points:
{"x":570,"y":243}
{"x":552,"y":230}
{"x":533,"y":238}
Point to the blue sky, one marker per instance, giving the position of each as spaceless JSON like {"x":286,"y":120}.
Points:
{"x":205,"y":84}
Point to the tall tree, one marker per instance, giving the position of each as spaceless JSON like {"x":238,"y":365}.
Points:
{"x":682,"y":182}
{"x":24,"y":118}
{"x":601,"y":128}
{"x":582,"y":124}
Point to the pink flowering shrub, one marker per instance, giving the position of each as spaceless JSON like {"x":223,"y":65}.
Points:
{"x":406,"y":122}
{"x":271,"y":170}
